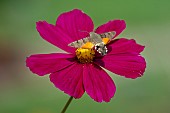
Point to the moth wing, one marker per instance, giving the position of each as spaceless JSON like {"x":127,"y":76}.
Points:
{"x":79,"y":43}
{"x":95,"y":38}
{"x":109,"y":35}
{"x":74,"y":44}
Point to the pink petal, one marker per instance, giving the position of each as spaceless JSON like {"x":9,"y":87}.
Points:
{"x":97,"y":83}
{"x":76,"y":24}
{"x":43,"y":64}
{"x":114,"y":25}
{"x":128,"y":65}
{"x":124,"y":59}
{"x":69,"y":80}
{"x":123,"y":45}
{"x":54,"y":35}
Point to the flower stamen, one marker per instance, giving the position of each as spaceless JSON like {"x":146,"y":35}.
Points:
{"x":85,"y":55}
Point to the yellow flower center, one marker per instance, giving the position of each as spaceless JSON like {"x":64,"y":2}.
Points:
{"x":85,"y":55}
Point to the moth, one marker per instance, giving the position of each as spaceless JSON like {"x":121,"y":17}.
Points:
{"x":98,"y":41}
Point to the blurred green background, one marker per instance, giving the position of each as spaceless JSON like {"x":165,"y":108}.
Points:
{"x":148,"y":22}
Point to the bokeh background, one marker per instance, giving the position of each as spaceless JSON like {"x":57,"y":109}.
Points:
{"x":148,"y":22}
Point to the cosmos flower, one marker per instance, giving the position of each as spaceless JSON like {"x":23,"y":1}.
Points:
{"x":80,"y":69}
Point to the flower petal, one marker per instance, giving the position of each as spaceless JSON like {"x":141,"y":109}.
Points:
{"x":114,"y":25}
{"x":43,"y":64}
{"x":124,"y":59}
{"x":123,"y":45}
{"x":76,"y":24}
{"x":97,"y":83}
{"x":69,"y":80}
{"x":54,"y":35}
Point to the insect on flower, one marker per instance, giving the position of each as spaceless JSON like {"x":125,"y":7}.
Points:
{"x":81,"y":70}
{"x":98,"y":41}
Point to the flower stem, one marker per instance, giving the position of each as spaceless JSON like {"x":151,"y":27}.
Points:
{"x":67,"y":104}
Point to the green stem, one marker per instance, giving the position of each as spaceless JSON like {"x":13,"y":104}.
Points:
{"x":67,"y":104}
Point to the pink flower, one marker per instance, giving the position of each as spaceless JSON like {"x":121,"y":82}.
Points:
{"x":69,"y":73}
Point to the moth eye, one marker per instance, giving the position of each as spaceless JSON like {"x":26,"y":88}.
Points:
{"x":97,"y":47}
